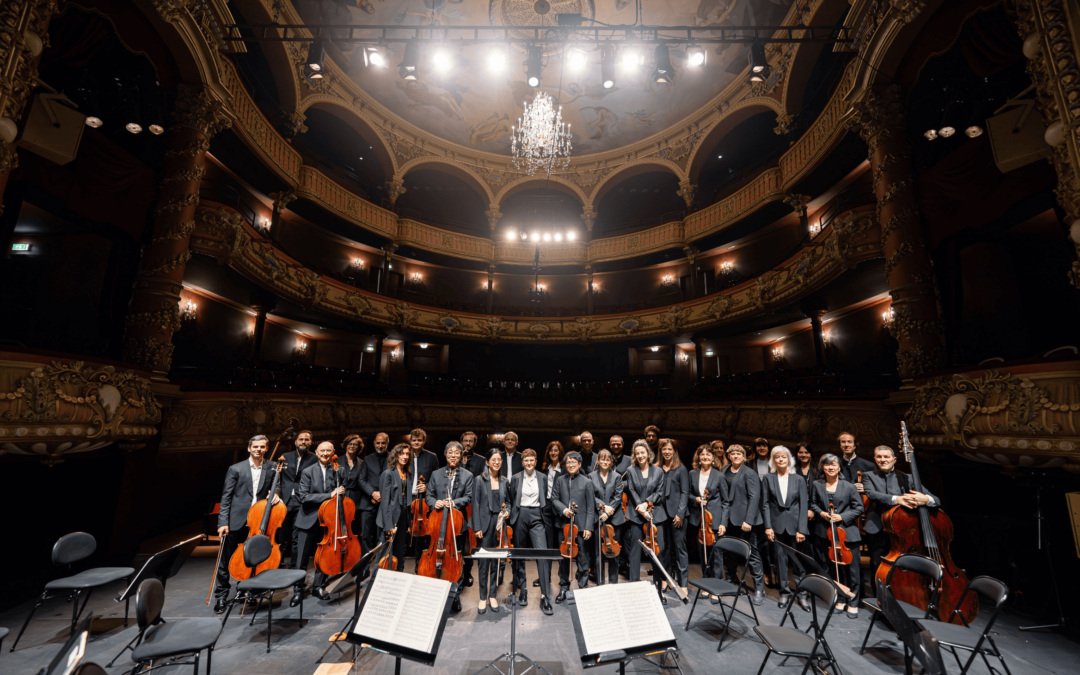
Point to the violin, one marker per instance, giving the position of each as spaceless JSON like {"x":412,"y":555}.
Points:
{"x":650,"y":531}
{"x":569,"y":547}
{"x":624,"y":503}
{"x":389,"y":561}
{"x":929,"y":532}
{"x":839,"y":553}
{"x":339,"y":549}
{"x":265,"y":521}
{"x":707,"y":535}
{"x":442,"y":559}
{"x":418,"y":512}
{"x":608,"y":546}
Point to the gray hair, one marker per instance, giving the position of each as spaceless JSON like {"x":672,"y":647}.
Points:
{"x":772,"y":458}
{"x":257,"y":437}
{"x":453,"y":444}
{"x":885,"y":447}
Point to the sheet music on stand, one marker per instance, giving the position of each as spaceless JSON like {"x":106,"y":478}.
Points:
{"x":626,"y":617}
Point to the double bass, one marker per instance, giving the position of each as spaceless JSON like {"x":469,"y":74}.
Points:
{"x":263,"y":518}
{"x":927,"y":531}
{"x":339,"y":549}
{"x":442,"y":559}
{"x":706,"y":536}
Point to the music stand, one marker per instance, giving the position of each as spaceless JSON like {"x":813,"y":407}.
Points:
{"x":162,"y":565}
{"x":365,"y":560}
{"x":810,"y":566}
{"x":397,"y":651}
{"x":71,"y":654}
{"x":514,"y":555}
{"x":622,"y":656}
{"x":685,"y":597}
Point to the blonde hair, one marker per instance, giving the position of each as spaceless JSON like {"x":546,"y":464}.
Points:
{"x":645,"y":444}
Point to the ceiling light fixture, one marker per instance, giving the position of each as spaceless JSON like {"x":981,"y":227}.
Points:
{"x":541,"y":140}
{"x":695,"y":56}
{"x":316,"y":59}
{"x":409,"y":62}
{"x":664,"y":74}
{"x":443,"y":61}
{"x":534,"y":66}
{"x":576,"y":60}
{"x":607,"y":66}
{"x":631,"y":59}
{"x":496,"y":59}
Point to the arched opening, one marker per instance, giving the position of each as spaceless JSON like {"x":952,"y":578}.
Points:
{"x":444,"y":199}
{"x":356,"y":160}
{"x":734,"y":158}
{"x":542,"y":208}
{"x":638,"y":201}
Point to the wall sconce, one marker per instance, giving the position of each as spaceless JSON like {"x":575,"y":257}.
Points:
{"x":667,"y":280}
{"x":357,"y":264}
{"x":887,"y":318}
{"x":685,"y":358}
{"x":188,"y":313}
{"x":541,"y":287}
{"x":596,"y":287}
{"x":394,"y":355}
{"x":727,"y":267}
{"x":825,"y":337}
{"x":416,"y":278}
{"x":262,"y":224}
{"x":655,"y":349}
{"x":301,"y":348}
{"x":778,"y":353}
{"x":423,"y":345}
{"x":815,"y":228}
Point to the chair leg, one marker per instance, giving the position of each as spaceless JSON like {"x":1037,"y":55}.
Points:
{"x":124,"y":649}
{"x":269,"y":620}
{"x":766,"y":660}
{"x":196,"y":663}
{"x":692,"y":609}
{"x":209,"y":654}
{"x":727,"y":621}
{"x":127,"y":607}
{"x":258,"y":606}
{"x":873,"y":618}
{"x":82,"y":609}
{"x":26,"y":623}
{"x":302,"y":611}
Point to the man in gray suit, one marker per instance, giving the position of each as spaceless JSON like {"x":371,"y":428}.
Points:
{"x":245,"y":483}
{"x":318,"y":483}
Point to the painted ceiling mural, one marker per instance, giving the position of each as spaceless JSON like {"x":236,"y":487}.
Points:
{"x":474,"y":107}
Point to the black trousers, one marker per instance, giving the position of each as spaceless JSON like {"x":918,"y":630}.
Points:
{"x":287,"y":534}
{"x":401,"y":539}
{"x":601,"y":563}
{"x":531,"y":533}
{"x":307,"y":541}
{"x":582,"y":562}
{"x":879,"y":545}
{"x":756,"y":571}
{"x":488,"y":569}
{"x":233,"y":540}
{"x":550,"y":529}
{"x":850,"y":575}
{"x":675,"y":558}
{"x":369,"y":531}
{"x":633,"y":536}
{"x":782,"y":561}
{"x":765,"y":549}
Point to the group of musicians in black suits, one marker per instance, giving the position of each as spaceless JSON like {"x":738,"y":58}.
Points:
{"x":771,"y":497}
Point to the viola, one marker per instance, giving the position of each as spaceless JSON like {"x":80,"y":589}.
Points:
{"x":650,"y":531}
{"x":265,"y":521}
{"x":928,"y":532}
{"x":442,"y":559}
{"x":389,"y":561}
{"x":569,"y":547}
{"x":707,"y":535}
{"x":608,"y":546}
{"x":839,"y":552}
{"x":418,"y":513}
{"x":339,"y":549}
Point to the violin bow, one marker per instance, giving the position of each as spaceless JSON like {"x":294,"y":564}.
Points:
{"x":704,"y":528}
{"x":213,"y":581}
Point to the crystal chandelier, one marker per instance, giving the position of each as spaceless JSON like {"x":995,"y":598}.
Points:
{"x":541,"y":140}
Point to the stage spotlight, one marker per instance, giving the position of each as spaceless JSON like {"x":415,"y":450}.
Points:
{"x":376,"y":57}
{"x":524,"y":236}
{"x":631,"y":59}
{"x":88,"y":104}
{"x":607,"y":66}
{"x":664,"y":72}
{"x":155,"y":119}
{"x":496,"y":59}
{"x":409,"y":62}
{"x":930,"y":134}
{"x":535,"y":236}
{"x":576,"y":60}
{"x":696,"y":56}
{"x":547,"y":236}
{"x":534,"y":66}
{"x":571,"y":235}
{"x":316,"y":56}
{"x":131,"y":114}
{"x":511,"y":235}
{"x":758,"y":64}
{"x":443,"y":61}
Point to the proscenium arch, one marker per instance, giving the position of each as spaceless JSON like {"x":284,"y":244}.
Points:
{"x":553,"y":182}
{"x":276,"y":53}
{"x":456,"y":170}
{"x":632,"y":169}
{"x":734,"y":117}
{"x":340,"y":110}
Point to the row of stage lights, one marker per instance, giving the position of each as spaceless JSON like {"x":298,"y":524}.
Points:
{"x":537,"y":236}
{"x":629,"y":59}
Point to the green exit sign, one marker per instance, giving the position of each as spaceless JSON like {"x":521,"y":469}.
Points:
{"x":20,"y":247}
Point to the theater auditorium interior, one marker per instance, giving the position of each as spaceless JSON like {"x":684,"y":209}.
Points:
{"x":336,"y":333}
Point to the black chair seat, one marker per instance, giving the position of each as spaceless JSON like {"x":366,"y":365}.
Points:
{"x":914,"y":613}
{"x":786,"y":641}
{"x":715,"y":586}
{"x":272,"y":580}
{"x":177,"y":637}
{"x":950,"y":633}
{"x":91,"y":578}
{"x":3,"y":632}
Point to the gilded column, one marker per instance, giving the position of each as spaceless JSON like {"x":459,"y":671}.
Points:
{"x":879,"y":119}
{"x":153,"y":313}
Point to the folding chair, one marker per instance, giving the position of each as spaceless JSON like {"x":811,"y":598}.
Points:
{"x":262,"y":585}
{"x":961,"y":635}
{"x":811,"y":645}
{"x":726,"y":589}
{"x":908,"y":562}
{"x":918,"y":643}
{"x":159,"y":640}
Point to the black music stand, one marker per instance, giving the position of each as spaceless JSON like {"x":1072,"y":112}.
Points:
{"x":397,"y":651}
{"x":622,"y":656}
{"x":657,"y":566}
{"x":514,"y":555}
{"x":71,"y":654}
{"x":364,"y":561}
{"x":162,"y":566}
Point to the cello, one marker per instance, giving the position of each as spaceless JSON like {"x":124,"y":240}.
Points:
{"x":288,"y":434}
{"x":929,"y":532}
{"x":442,"y":559}
{"x":339,"y":549}
{"x":265,"y":521}
{"x":706,"y":536}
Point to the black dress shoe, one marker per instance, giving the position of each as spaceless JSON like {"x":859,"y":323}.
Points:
{"x":804,"y":603}
{"x":297,"y":598}
{"x":456,"y":607}
{"x":221,"y":604}
{"x":523,"y":598}
{"x":561,"y":596}
{"x":468,"y":581}
{"x":320,"y":594}
{"x":785,"y":600}
{"x":545,"y":606}
{"x":536,"y":583}
{"x":759,"y":597}
{"x":663,"y":599}
{"x":481,"y":610}
{"x":495,"y":608}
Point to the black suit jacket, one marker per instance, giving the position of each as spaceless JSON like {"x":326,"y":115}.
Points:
{"x":588,"y":462}
{"x":290,"y":475}
{"x":640,"y":490}
{"x":579,"y":490}
{"x":475,"y":464}
{"x":676,"y":492}
{"x":236,"y":498}
{"x":785,"y":516}
{"x":394,"y":499}
{"x":875,"y":484}
{"x":745,"y":495}
{"x":313,"y":492}
{"x":511,"y":464}
{"x":622,"y":463}
{"x":367,"y":479}
{"x":717,"y":504}
{"x":514,"y":494}
{"x":485,"y":499}
{"x":847,"y":502}
{"x":609,"y":494}
{"x":462,"y":492}
{"x":425,"y":464}
{"x":850,"y":470}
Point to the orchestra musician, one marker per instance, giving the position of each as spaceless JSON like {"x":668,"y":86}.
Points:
{"x":744,"y":513}
{"x":317,"y":484}
{"x":608,"y":492}
{"x":395,"y":488}
{"x":786,"y":505}
{"x":887,"y":487}
{"x":456,"y":482}
{"x":489,"y":494}
{"x":552,"y":468}
{"x":528,"y":495}
{"x":652,"y":437}
{"x":620,"y":461}
{"x":367,"y":484}
{"x":246,"y":482}
{"x":804,"y":465}
{"x":720,"y":460}
{"x":588,"y":457}
{"x":473,"y":463}
{"x":353,"y":465}
{"x":574,"y":488}
{"x":831,"y":488}
{"x":296,"y":461}
{"x":850,"y":463}
{"x":676,"y":494}
{"x":707,"y":476}
{"x":424,"y":463}
{"x":760,"y":463}
{"x":644,"y":483}
{"x":511,"y":459}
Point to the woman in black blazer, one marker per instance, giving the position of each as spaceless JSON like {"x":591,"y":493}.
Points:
{"x":608,"y":487}
{"x":847,"y":507}
{"x":706,"y":476}
{"x":489,"y":494}
{"x":784,"y":506}
{"x":644,"y":484}
{"x":676,"y":493}
{"x":393,"y":518}
{"x":744,"y":512}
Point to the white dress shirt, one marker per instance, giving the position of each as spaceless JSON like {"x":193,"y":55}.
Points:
{"x":552,"y":474}
{"x":702,"y":481}
{"x":783,"y":481}
{"x":530,"y":491}
{"x":256,"y":478}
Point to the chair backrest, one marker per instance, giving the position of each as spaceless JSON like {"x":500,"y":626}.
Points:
{"x":257,"y":549}
{"x":89,"y":669}
{"x":920,"y":642}
{"x":73,"y":547}
{"x":991,"y":588}
{"x":919,"y":564}
{"x":734,"y":545}
{"x":149,"y":600}
{"x":824,"y":590}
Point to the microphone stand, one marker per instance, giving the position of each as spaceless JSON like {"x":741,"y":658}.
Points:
{"x":1039,"y":518}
